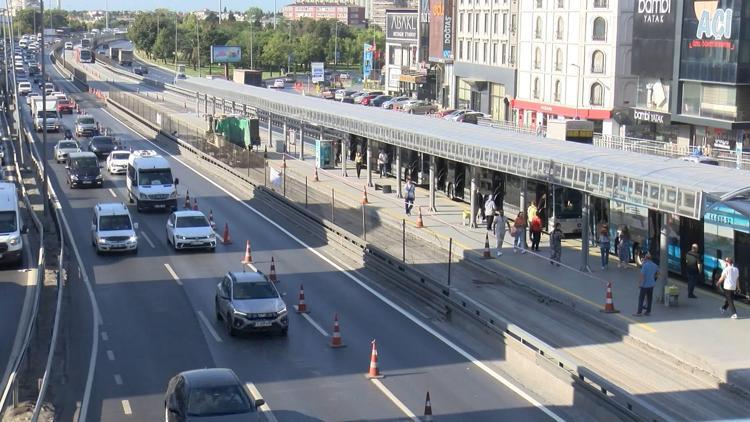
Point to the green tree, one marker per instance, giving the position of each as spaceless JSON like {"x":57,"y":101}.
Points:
{"x":27,"y":21}
{"x":275,"y":51}
{"x":164,"y":46}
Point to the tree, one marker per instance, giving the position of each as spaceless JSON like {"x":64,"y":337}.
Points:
{"x":164,"y":46}
{"x":27,"y":21}
{"x":275,"y":51}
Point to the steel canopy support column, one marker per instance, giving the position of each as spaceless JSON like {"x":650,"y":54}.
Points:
{"x":398,"y":172}
{"x":369,"y":163}
{"x":473,"y":198}
{"x":522,"y":206}
{"x":433,"y":176}
{"x":661,"y":283}
{"x":301,"y":142}
{"x":270,"y":130}
{"x":585,"y":217}
{"x":285,"y":130}
{"x":344,"y":152}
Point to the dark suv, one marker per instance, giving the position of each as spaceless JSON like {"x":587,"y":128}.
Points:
{"x":102,"y":146}
{"x":83,"y":169}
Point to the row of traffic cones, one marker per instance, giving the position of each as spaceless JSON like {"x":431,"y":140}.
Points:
{"x":248,"y":258}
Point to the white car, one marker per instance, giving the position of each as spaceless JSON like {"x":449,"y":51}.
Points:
{"x":48,"y":88}
{"x":112,"y":229}
{"x":68,"y":45}
{"x":65,"y":147}
{"x":31,"y":97}
{"x":24,"y":88}
{"x":117,"y":162}
{"x":190,"y":229}
{"x":278,"y":84}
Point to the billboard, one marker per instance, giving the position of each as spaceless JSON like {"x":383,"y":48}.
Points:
{"x":317,"y":71}
{"x":401,"y":26}
{"x":226,"y":54}
{"x":367,"y":61}
{"x":653,"y":38}
{"x":710,"y":41}
{"x":441,"y":31}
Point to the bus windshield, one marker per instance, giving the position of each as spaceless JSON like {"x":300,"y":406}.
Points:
{"x":568,"y":203}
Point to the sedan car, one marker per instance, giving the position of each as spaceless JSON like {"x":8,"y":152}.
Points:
{"x":248,"y":301}
{"x":209,"y":394}
{"x":366,"y":99}
{"x":190,"y":229}
{"x":327,"y":94}
{"x":419,"y":107}
{"x":102,"y":146}
{"x":379,"y":100}
{"x":65,"y":147}
{"x":388,"y":104}
{"x":140,"y":70}
{"x":472,"y":117}
{"x":117,"y":162}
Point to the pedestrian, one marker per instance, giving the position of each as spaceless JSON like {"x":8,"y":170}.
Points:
{"x":728,"y":283}
{"x":409,"y":191}
{"x":501,"y":223}
{"x":517,"y":232}
{"x":555,"y":244}
{"x":623,"y":247}
{"x":694,"y":269}
{"x":489,"y":211}
{"x":536,"y":232}
{"x":479,"y":204}
{"x":358,"y":163}
{"x":604,"y":246}
{"x":531,"y":211}
{"x":382,"y":163}
{"x":649,"y":272}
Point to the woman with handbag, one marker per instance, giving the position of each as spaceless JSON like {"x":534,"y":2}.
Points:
{"x":517,"y":231}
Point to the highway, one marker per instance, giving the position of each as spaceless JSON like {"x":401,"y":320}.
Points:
{"x":157,"y":319}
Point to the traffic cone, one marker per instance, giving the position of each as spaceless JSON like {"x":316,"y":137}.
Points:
{"x":374,"y":371}
{"x":427,"y":409}
{"x":609,"y":304}
{"x":226,"y":239}
{"x":364,"y":200}
{"x":315,"y":175}
{"x":420,"y":222}
{"x":336,"y":341}
{"x":248,"y":257}
{"x":486,"y":253}
{"x":272,"y":273}
{"x":195,"y":204}
{"x":211,"y":219}
{"x":187,"y":200}
{"x":301,"y":306}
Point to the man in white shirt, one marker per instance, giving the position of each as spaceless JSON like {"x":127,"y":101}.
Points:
{"x":729,"y":277}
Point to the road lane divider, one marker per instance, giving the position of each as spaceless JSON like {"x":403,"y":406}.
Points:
{"x":148,"y":239}
{"x":392,"y":397}
{"x":126,"y":407}
{"x":209,"y":327}
{"x":172,"y":273}
{"x":265,"y":409}
{"x":315,"y":324}
{"x":110,"y":355}
{"x":114,"y":195}
{"x":118,"y":379}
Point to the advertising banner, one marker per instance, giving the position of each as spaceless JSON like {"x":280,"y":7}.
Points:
{"x":653,"y":38}
{"x":226,"y":54}
{"x":441,"y":31}
{"x":367,"y":61}
{"x":318,"y":71}
{"x":401,"y":26}
{"x":710,"y":41}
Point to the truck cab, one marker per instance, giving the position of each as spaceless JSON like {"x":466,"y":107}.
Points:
{"x":46,"y":109}
{"x":149,"y":181}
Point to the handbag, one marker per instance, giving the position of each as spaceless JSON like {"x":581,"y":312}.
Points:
{"x":513,"y":230}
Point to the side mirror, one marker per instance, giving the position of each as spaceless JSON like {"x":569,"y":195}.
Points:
{"x":135,"y":226}
{"x":93,"y":227}
{"x":259,"y":402}
{"x":176,"y":181}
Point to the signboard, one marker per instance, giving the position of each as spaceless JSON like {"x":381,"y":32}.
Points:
{"x":226,"y":54}
{"x":441,"y":31}
{"x":394,"y":77}
{"x":401,"y":26}
{"x":367,"y":61}
{"x":710,"y":41}
{"x":318,"y":71}
{"x":650,"y":116}
{"x":653,"y":38}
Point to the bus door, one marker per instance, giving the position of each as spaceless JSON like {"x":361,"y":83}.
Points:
{"x":441,"y":174}
{"x":455,"y":180}
{"x":742,"y":261}
{"x":691,"y":231}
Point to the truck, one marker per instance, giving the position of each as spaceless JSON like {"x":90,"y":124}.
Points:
{"x":48,"y":108}
{"x":125,"y":57}
{"x":149,"y":181}
{"x":114,"y":53}
{"x":248,"y":77}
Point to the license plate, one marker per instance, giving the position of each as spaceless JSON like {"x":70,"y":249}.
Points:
{"x":87,"y":182}
{"x":159,"y":206}
{"x":263,"y":324}
{"x":117,"y":247}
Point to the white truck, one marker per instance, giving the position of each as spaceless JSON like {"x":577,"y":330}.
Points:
{"x":124,"y":57}
{"x":149,"y":181}
{"x":41,"y":109}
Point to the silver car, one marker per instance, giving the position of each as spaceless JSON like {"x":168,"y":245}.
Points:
{"x":249,"y":302}
{"x":190,"y":229}
{"x":419,"y":107}
{"x":65,"y":147}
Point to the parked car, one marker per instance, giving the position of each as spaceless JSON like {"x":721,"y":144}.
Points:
{"x":248,"y":301}
{"x":215,"y":394}
{"x":470,"y":117}
{"x":400,"y":103}
{"x":388,"y":104}
{"x":358,"y":98}
{"x":278,"y":84}
{"x":419,"y":107}
{"x":456,"y":114}
{"x":366,"y":99}
{"x":445,"y":112}
{"x":379,"y":100}
{"x":328,"y":94}
{"x":701,"y":159}
{"x":341,"y":93}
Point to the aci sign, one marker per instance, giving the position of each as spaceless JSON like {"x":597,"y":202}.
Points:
{"x":712,"y":22}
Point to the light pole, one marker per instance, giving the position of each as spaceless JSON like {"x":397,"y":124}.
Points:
{"x":175,"y":43}
{"x":578,"y":87}
{"x":336,"y":45}
{"x":252,"y":24}
{"x":44,"y":113}
{"x":198,"y":40}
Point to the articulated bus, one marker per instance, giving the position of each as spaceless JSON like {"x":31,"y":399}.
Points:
{"x":84,"y":55}
{"x":86,"y":43}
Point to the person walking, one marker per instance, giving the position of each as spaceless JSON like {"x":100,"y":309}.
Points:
{"x":555,"y":245}
{"x":604,"y":246}
{"x":479,"y":204}
{"x":501,"y":223}
{"x":728,"y":283}
{"x":694,"y":269}
{"x":358,"y":163}
{"x":536,"y":232}
{"x":489,"y":212}
{"x":623,"y":247}
{"x":382,"y":162}
{"x":519,"y":224}
{"x":649,"y":272}
{"x":409,"y":194}
{"x":531,"y":212}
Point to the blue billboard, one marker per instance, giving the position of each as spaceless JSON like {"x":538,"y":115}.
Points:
{"x":367,"y":61}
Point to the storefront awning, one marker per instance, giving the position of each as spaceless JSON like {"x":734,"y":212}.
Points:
{"x":414,"y":79}
{"x":584,"y":113}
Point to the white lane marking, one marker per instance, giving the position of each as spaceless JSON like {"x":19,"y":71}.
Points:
{"x":105,"y":336}
{"x":315,"y":324}
{"x":110,"y":355}
{"x":265,"y":409}
{"x":114,"y":195}
{"x":208,"y":325}
{"x":118,"y":379}
{"x":383,"y":389}
{"x":347,"y":273}
{"x":172,"y":273}
{"x":126,"y":407}
{"x":148,"y":239}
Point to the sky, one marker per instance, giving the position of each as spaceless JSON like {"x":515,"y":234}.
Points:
{"x":181,"y":5}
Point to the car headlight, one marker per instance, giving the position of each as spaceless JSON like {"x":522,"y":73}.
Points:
{"x":181,"y":237}
{"x":102,"y":240}
{"x":14,"y":240}
{"x":173,"y":194}
{"x":133,"y":238}
{"x":98,"y":176}
{"x":238,"y":313}
{"x":281,"y":312}
{"x":142,"y":195}
{"x":73,"y":177}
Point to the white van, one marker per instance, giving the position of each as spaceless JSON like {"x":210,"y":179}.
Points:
{"x":112,"y":229}
{"x":11,"y":225}
{"x":149,"y":181}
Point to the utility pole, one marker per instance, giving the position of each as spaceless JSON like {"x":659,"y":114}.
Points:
{"x":175,"y":43}
{"x":275,"y":11}
{"x":336,"y":46}
{"x":252,"y":23}
{"x":106,"y":14}
{"x":198,"y":38}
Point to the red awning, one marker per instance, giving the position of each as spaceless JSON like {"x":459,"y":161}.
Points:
{"x":584,"y":113}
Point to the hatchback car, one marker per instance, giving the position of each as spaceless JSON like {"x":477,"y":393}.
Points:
{"x":209,"y":394}
{"x":117,"y":162}
{"x":249,"y":302}
{"x":102,"y":146}
{"x":190,"y":229}
{"x":65,"y":147}
{"x":419,"y":107}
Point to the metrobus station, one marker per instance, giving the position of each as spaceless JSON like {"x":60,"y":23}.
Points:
{"x":666,"y":204}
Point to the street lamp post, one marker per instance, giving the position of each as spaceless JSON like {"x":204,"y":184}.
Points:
{"x":578,"y":87}
{"x":252,"y":24}
{"x":198,"y":40}
{"x":44,"y":114}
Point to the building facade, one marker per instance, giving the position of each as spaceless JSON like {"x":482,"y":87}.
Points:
{"x":378,"y":9}
{"x":486,"y":56}
{"x":345,"y":13}
{"x":574,"y":62}
{"x":403,"y":74}
{"x":16,"y":5}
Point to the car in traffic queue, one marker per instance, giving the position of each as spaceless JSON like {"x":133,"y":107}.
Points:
{"x":68,"y":45}
{"x":12,"y":227}
{"x":102,"y":146}
{"x":209,"y":394}
{"x":83,"y":169}
{"x":388,"y":104}
{"x":24,"y":88}
{"x":419,"y":107}
{"x":328,"y":94}
{"x":48,"y":88}
{"x":86,"y":126}
{"x":64,"y":147}
{"x":140,"y":70}
{"x":189,"y":229}
{"x":112,"y":229}
{"x":64,"y":106}
{"x":249,"y":302}
{"x":117,"y":162}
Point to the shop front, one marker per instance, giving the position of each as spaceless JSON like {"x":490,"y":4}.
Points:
{"x":532,"y":113}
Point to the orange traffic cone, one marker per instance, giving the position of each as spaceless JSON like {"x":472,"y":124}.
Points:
{"x":420,"y":222}
{"x":336,"y":341}
{"x":364,"y":200}
{"x":315,"y":175}
{"x":272,"y":273}
{"x":195,"y":204}
{"x":187,"y":200}
{"x":609,"y":304}
{"x":301,"y":306}
{"x":248,"y":257}
{"x":427,"y":409}
{"x":486,"y":253}
{"x":211,"y":219}
{"x":226,"y":239}
{"x":374,"y":371}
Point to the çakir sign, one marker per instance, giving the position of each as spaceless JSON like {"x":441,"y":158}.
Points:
{"x":401,"y":26}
